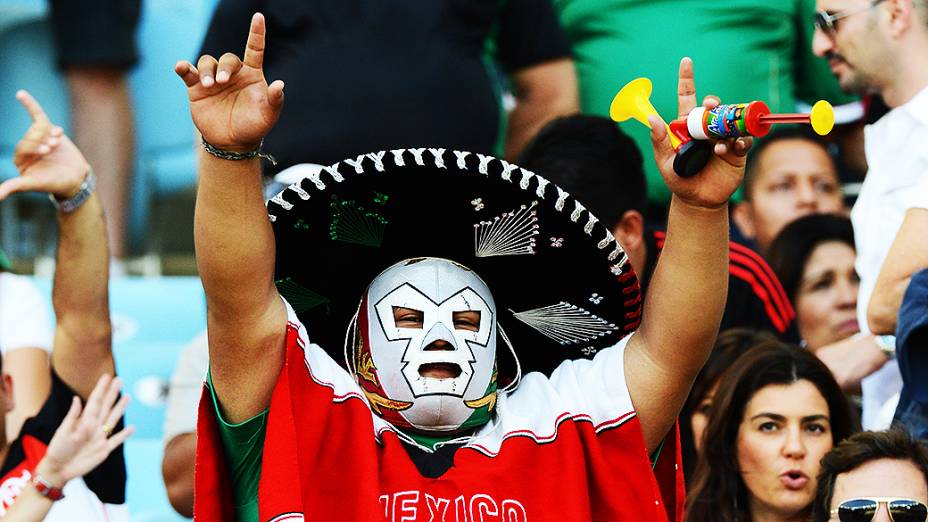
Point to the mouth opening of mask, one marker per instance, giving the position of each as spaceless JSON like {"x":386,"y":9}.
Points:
{"x":440,"y":370}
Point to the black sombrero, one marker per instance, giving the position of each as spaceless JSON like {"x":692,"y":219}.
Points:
{"x":563,"y":286}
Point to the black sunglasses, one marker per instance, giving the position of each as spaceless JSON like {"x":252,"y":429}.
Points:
{"x":864,"y":509}
{"x":828,"y":22}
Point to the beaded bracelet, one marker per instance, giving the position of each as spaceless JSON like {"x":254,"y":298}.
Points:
{"x":83,"y":193}
{"x":238,"y":156}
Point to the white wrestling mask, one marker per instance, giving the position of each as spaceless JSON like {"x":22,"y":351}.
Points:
{"x":426,"y":354}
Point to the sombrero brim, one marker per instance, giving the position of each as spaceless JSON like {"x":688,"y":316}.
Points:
{"x":562,"y":284}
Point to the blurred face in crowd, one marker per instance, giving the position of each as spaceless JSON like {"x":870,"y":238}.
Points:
{"x":826,"y":300}
{"x":881,"y":478}
{"x":855,"y":47}
{"x":783,"y":435}
{"x":792,"y":178}
{"x":700,"y":417}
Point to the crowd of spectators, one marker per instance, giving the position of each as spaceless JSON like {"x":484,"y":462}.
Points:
{"x":812,"y":404}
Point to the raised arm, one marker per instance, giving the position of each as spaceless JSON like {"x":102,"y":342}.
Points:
{"x":233,"y":107}
{"x":687,"y":293}
{"x":49,"y":162}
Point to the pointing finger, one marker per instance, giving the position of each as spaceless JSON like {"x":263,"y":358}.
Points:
{"x":254,"y":49}
{"x":31,"y":105}
{"x":187,"y":72}
{"x":686,"y":88}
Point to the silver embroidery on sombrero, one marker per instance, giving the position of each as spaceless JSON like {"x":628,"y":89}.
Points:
{"x":352,"y":223}
{"x":565,"y":323}
{"x":356,"y":163}
{"x":510,"y":234}
{"x":436,"y":156}
{"x":377,"y":158}
{"x":578,"y":209}
{"x":619,"y":268}
{"x":333,"y":171}
{"x":299,"y":191}
{"x":284,"y":204}
{"x":542,"y":183}
{"x":484,"y":163}
{"x":461,"y":156}
{"x":507,"y":170}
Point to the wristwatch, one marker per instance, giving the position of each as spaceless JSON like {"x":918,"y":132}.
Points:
{"x":886,"y":344}
{"x":83,"y":193}
{"x":46,"y":489}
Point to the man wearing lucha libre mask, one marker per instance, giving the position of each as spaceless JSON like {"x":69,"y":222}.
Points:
{"x":494,"y":364}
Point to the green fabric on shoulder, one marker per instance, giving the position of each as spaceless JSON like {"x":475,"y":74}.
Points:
{"x":244,"y":447}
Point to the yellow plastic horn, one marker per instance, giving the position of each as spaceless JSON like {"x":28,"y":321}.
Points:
{"x":634,"y":101}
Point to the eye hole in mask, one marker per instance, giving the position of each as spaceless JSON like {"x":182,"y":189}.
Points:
{"x":408,"y":317}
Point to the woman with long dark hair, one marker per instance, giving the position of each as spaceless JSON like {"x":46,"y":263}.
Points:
{"x":777,"y":411}
{"x":814,"y":258}
{"x":729,"y":345}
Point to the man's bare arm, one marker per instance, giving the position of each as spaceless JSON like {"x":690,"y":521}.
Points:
{"x":907,"y":255}
{"x":233,"y":108}
{"x":543,"y":92}
{"x":49,"y":162}
{"x":687,"y":293}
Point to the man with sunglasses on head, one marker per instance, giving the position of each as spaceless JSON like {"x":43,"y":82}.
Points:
{"x":877,"y":476}
{"x":881,"y":46}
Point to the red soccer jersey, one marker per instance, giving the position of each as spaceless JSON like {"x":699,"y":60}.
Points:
{"x":568,"y":447}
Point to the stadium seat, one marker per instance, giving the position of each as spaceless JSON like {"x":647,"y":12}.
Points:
{"x":169,"y":30}
{"x":26,"y":62}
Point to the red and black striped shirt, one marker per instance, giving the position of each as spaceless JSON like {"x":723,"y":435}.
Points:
{"x":756,"y":298}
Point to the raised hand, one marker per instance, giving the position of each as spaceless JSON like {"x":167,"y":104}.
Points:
{"x":231,"y":103}
{"x":719,"y":179}
{"x":85,"y":439}
{"x":46,"y":159}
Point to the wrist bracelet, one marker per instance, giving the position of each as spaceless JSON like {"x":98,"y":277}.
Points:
{"x":83,"y":193}
{"x":887,"y":345}
{"x":46,"y":489}
{"x":238,"y":156}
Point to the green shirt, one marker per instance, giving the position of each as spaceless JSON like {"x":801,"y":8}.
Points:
{"x":743,"y":50}
{"x":244,"y":445}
